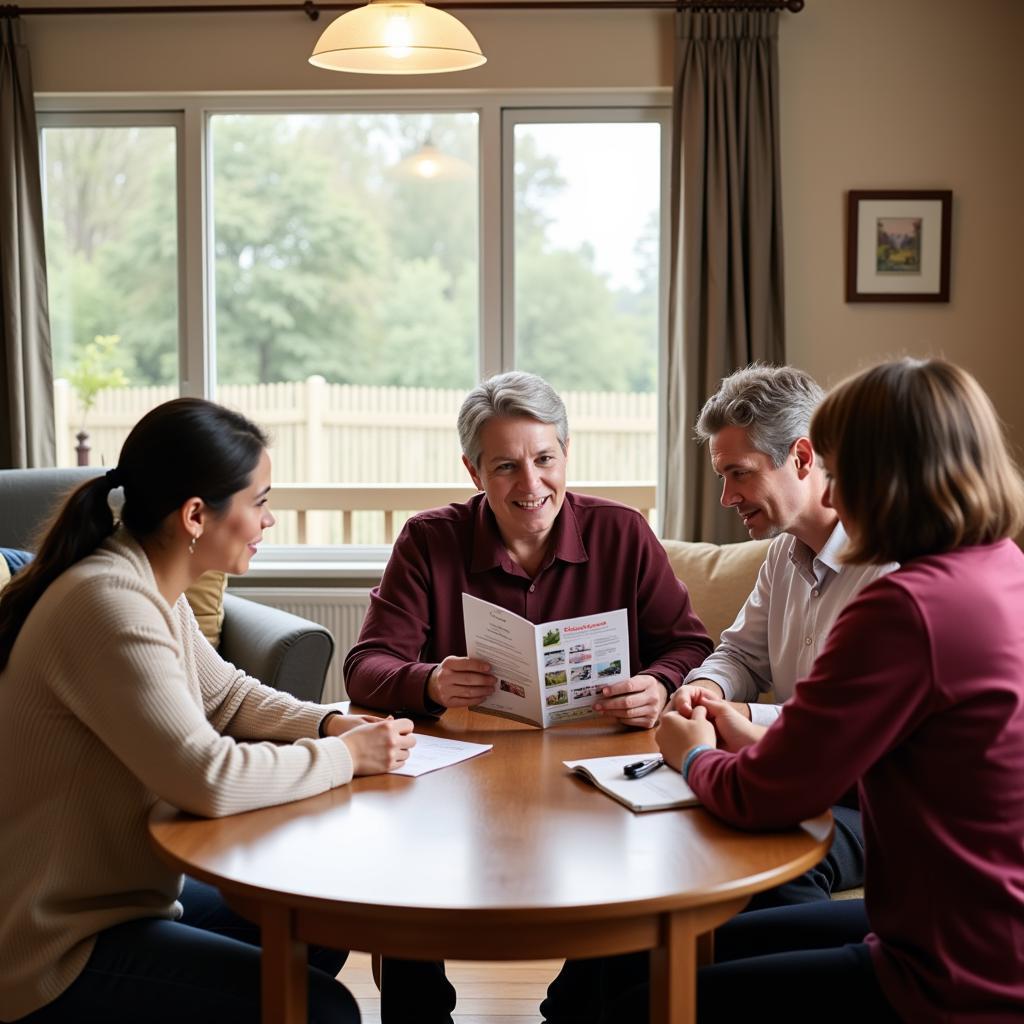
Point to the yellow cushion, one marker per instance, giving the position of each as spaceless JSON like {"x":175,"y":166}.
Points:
{"x":206,"y":596}
{"x":5,"y":573}
{"x":719,"y":577}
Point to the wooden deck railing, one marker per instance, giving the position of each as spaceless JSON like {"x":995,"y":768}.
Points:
{"x":391,"y":498}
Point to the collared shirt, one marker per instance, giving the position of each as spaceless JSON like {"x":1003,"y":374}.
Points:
{"x":602,"y":556}
{"x":785,"y":621}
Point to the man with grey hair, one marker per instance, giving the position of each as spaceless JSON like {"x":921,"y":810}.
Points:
{"x":756,"y":426}
{"x":528,"y":544}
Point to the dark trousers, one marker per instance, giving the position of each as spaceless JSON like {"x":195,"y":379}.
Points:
{"x":842,"y":868}
{"x":203,"y":969}
{"x":800,"y":964}
{"x":415,"y":992}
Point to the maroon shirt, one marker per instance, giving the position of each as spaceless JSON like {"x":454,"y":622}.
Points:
{"x":919,"y":694}
{"x":603,"y":556}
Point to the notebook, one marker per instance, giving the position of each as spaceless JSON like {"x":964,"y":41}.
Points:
{"x":661,"y":789}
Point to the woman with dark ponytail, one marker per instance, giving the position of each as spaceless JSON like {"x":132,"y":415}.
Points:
{"x":110,"y":699}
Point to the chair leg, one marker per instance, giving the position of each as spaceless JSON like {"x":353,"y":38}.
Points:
{"x":375,"y":969}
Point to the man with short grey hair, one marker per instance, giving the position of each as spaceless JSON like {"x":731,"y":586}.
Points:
{"x":756,"y":427}
{"x":510,"y":394}
{"x":529,"y":544}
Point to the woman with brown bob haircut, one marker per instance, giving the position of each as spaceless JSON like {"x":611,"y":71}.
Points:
{"x":918,"y":699}
{"x":950,"y":481}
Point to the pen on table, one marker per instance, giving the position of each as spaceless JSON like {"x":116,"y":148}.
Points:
{"x":638,"y":769}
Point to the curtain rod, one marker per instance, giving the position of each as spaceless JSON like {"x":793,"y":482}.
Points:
{"x":312,"y":10}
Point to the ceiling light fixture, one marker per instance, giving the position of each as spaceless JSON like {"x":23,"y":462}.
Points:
{"x":397,"y":37}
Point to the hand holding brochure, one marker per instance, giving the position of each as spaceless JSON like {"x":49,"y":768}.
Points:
{"x":549,"y":673}
{"x":654,"y":792}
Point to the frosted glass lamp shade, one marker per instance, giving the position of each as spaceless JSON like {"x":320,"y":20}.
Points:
{"x":397,"y":37}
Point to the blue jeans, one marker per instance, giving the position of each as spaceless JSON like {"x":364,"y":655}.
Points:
{"x":800,"y":964}
{"x":203,"y":969}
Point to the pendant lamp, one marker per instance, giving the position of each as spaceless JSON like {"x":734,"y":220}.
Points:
{"x":397,"y":37}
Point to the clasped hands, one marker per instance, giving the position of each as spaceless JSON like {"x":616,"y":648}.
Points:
{"x":460,"y":682}
{"x":698,"y":715}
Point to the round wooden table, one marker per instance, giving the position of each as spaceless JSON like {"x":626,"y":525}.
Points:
{"x":506,"y":856}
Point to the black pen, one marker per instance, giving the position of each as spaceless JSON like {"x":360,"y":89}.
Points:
{"x":638,"y":769}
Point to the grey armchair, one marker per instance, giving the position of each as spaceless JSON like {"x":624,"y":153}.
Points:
{"x":280,"y":649}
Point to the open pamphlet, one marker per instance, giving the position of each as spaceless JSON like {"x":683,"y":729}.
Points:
{"x":433,"y":752}
{"x":550,"y":673}
{"x":661,"y":789}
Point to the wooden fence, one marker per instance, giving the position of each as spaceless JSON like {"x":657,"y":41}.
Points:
{"x":341,"y":433}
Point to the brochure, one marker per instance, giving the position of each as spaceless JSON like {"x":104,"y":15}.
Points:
{"x":655,"y":792}
{"x":551,"y":673}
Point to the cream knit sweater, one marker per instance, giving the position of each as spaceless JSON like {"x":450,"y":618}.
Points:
{"x":112,"y":700}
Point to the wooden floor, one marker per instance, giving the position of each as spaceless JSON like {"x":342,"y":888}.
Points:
{"x":489,"y":993}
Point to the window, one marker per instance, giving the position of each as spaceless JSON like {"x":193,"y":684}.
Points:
{"x":343,"y":276}
{"x":347,"y":292}
{"x":111,"y":213}
{"x":334,"y":256}
{"x":585,"y":238}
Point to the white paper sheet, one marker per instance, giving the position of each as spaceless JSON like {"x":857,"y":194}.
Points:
{"x":433,"y":752}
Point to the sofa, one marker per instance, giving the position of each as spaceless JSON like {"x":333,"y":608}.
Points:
{"x":280,"y":649}
{"x":719,"y":577}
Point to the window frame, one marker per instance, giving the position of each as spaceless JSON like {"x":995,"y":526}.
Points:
{"x":498,"y":112}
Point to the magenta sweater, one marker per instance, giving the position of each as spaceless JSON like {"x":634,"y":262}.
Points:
{"x":919,"y":695}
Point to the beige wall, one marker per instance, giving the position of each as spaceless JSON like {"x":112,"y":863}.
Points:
{"x":875,"y":94}
{"x":211,"y":52}
{"x":880,"y":94}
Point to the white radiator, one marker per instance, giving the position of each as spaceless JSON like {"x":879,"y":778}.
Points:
{"x":340,"y":609}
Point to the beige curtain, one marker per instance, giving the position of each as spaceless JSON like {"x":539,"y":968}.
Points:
{"x":26,"y":374}
{"x":725,"y":291}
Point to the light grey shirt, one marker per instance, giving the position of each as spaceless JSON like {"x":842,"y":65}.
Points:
{"x":785,"y":621}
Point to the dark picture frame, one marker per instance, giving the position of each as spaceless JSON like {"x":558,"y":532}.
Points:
{"x":898,"y":245}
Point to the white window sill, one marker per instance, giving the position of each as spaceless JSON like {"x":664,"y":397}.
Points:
{"x":334,"y":563}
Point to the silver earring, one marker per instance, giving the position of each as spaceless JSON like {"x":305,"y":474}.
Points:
{"x":192,"y":545}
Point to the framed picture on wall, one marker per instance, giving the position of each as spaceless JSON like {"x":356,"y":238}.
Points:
{"x":897,"y":246}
